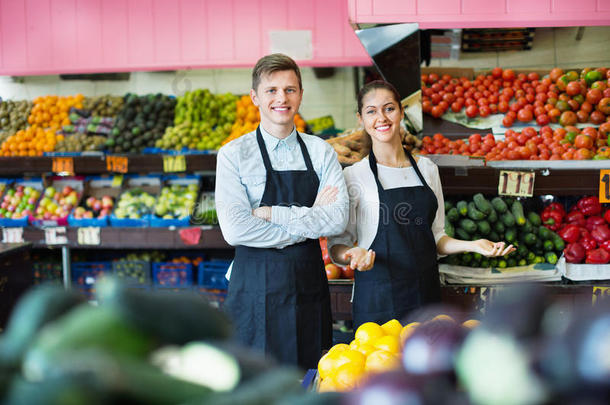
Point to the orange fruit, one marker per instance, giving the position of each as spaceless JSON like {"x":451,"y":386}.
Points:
{"x":471,"y":323}
{"x":443,"y":317}
{"x":388,"y":343}
{"x":392,"y":327}
{"x":339,"y":348}
{"x":326,"y":365}
{"x":348,"y":376}
{"x":380,"y":361}
{"x":326,"y":385}
{"x":368,"y":332}
{"x":407,"y":331}
{"x":349,"y":356}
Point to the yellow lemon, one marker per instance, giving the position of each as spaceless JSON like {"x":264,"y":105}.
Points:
{"x":380,"y":361}
{"x":339,"y":348}
{"x":349,"y":356}
{"x":368,"y":332}
{"x":326,"y":385}
{"x":392,"y":327}
{"x":366,"y":349}
{"x":388,"y":343}
{"x":348,"y":376}
{"x":327,"y":365}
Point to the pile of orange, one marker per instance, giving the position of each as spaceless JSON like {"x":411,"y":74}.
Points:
{"x":183,"y":259}
{"x":52,"y":111}
{"x":248,"y":118}
{"x":375,"y":349}
{"x":32,"y":141}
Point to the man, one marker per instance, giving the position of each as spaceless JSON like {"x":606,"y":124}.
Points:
{"x":277,"y":192}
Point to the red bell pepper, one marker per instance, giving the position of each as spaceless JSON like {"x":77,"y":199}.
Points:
{"x":576,"y":217}
{"x":593,"y":222}
{"x":598,"y":256}
{"x":601,"y":233}
{"x":552,"y":216}
{"x":589,"y":206}
{"x":588,"y":242}
{"x":571,"y":233}
{"x":605,"y":245}
{"x":607,"y":216}
{"x":574,"y":253}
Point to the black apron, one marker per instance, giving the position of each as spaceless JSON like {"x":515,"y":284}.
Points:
{"x":278,"y":298}
{"x":405,"y":274}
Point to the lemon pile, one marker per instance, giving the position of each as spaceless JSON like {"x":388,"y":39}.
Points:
{"x":375,"y":349}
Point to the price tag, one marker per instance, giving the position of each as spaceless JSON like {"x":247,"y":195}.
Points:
{"x":116,"y":164}
{"x":600,"y":293}
{"x":517,"y":184}
{"x":117,"y":180}
{"x":63,"y":165}
{"x":55,"y":236}
{"x":174,"y":163}
{"x":604,"y":186}
{"x":12,"y":235}
{"x":89,"y":235}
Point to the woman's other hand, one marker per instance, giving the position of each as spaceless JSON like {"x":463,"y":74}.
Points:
{"x":359,"y":258}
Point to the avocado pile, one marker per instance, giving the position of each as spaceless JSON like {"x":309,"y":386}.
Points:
{"x":103,"y":106}
{"x":202,"y":121}
{"x":81,"y":143}
{"x":501,"y":219}
{"x":14,"y":115}
{"x":135,"y":347}
{"x":141,"y":122}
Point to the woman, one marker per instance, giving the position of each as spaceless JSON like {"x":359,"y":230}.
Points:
{"x":397,"y":217}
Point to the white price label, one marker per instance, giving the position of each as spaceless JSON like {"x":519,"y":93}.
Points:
{"x":517,"y":184}
{"x":12,"y":235}
{"x":55,"y":236}
{"x":89,"y":235}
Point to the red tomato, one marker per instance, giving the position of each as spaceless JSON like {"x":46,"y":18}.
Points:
{"x":533,"y":76}
{"x":582,"y":116}
{"x":484,"y":111}
{"x":568,"y":118}
{"x":474,"y":138}
{"x":597,"y":117}
{"x":472,"y":111}
{"x":502,"y":106}
{"x":583,"y":141}
{"x":525,"y":115}
{"x":573,"y":88}
{"x":508,"y":121}
{"x":437,"y":111}
{"x":456,"y":107}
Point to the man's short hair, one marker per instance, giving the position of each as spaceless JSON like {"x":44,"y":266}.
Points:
{"x":274,"y":63}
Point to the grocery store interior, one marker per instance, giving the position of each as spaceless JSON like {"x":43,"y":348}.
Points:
{"x":113,"y":264}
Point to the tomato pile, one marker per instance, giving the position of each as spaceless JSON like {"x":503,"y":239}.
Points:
{"x":563,"y":97}
{"x":569,"y":143}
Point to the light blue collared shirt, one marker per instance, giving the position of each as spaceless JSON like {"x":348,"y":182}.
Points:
{"x":240,"y":183}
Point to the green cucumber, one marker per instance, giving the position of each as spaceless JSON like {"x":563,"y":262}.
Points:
{"x":452,"y":215}
{"x":499,"y":205}
{"x":548,"y":245}
{"x":534,"y":218}
{"x":530,"y":239}
{"x":508,"y":219}
{"x":499,"y":227}
{"x":493,"y":236}
{"x":510,"y":235}
{"x":484,"y":227}
{"x":474,"y":213}
{"x":449,"y":228}
{"x":544,"y":233}
{"x":550,"y":257}
{"x":558,"y":242}
{"x":517,"y":210}
{"x":462,"y":234}
{"x":492,"y":217}
{"x":448,"y":205}
{"x":462,"y":207}
{"x":468,"y":225}
{"x":482,"y":204}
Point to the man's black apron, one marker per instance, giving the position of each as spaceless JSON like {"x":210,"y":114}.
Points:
{"x":278,"y":298}
{"x":405,"y":274}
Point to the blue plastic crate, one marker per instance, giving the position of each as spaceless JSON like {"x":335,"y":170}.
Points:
{"x":83,"y":222}
{"x":132,"y":272}
{"x":85,"y":274}
{"x":172,"y":275}
{"x":130,"y":223}
{"x":212,"y":274}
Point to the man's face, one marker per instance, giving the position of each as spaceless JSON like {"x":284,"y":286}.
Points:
{"x":278,"y":98}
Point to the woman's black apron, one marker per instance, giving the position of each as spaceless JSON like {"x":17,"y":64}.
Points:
{"x":278,"y":298}
{"x":405,"y":274}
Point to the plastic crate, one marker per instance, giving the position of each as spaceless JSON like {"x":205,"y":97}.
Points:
{"x":212,"y":274}
{"x":85,"y":275}
{"x":47,"y":272}
{"x":172,"y":275}
{"x":215,"y":297}
{"x":132,"y":272}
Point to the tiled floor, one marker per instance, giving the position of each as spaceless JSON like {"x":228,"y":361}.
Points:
{"x":551,"y":47}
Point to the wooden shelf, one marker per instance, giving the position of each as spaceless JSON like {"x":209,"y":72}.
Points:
{"x":132,"y":238}
{"x":96,"y":164}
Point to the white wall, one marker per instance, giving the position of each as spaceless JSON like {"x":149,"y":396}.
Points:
{"x":332,"y":96}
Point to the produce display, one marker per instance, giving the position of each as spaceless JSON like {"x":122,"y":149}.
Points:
{"x":378,"y":349}
{"x":501,"y":219}
{"x":205,"y":210}
{"x":569,"y":143}
{"x":334,"y":271}
{"x":134,"y":204}
{"x":56,"y":203}
{"x":563,"y":97}
{"x":176,"y":201}
{"x":81,"y":143}
{"x":52,"y":111}
{"x":203,"y":120}
{"x":141,"y":122}
{"x":18,"y":202}
{"x":103,"y":106}
{"x":95,"y":208}
{"x":13,"y":115}
{"x":584,"y":228}
{"x":32,"y":141}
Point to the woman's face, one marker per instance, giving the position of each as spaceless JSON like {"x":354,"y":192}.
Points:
{"x":380,"y":115}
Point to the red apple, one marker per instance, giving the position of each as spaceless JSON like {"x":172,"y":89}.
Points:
{"x":333,"y":271}
{"x":67,"y":190}
{"x":90,"y":202}
{"x":347,"y":272}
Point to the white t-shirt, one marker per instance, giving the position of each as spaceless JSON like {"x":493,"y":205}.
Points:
{"x":364,"y":198}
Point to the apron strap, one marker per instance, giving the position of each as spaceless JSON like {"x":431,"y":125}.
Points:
{"x":305,"y":153}
{"x":373,"y":165}
{"x":263,"y":148}
{"x":414,"y":164}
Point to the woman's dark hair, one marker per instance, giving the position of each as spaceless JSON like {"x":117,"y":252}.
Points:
{"x":374,"y":85}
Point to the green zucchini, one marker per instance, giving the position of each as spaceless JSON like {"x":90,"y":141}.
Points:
{"x":452,"y":215}
{"x":492,"y":217}
{"x":468,"y":225}
{"x":482,"y":204}
{"x":499,"y":227}
{"x":534,"y":218}
{"x":448,"y":205}
{"x":499,"y":205}
{"x":449,"y":228}
{"x":462,"y":207}
{"x":474,"y":213}
{"x":462,"y":234}
{"x":508,"y":219}
{"x":517,"y":210}
{"x":484,"y":227}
